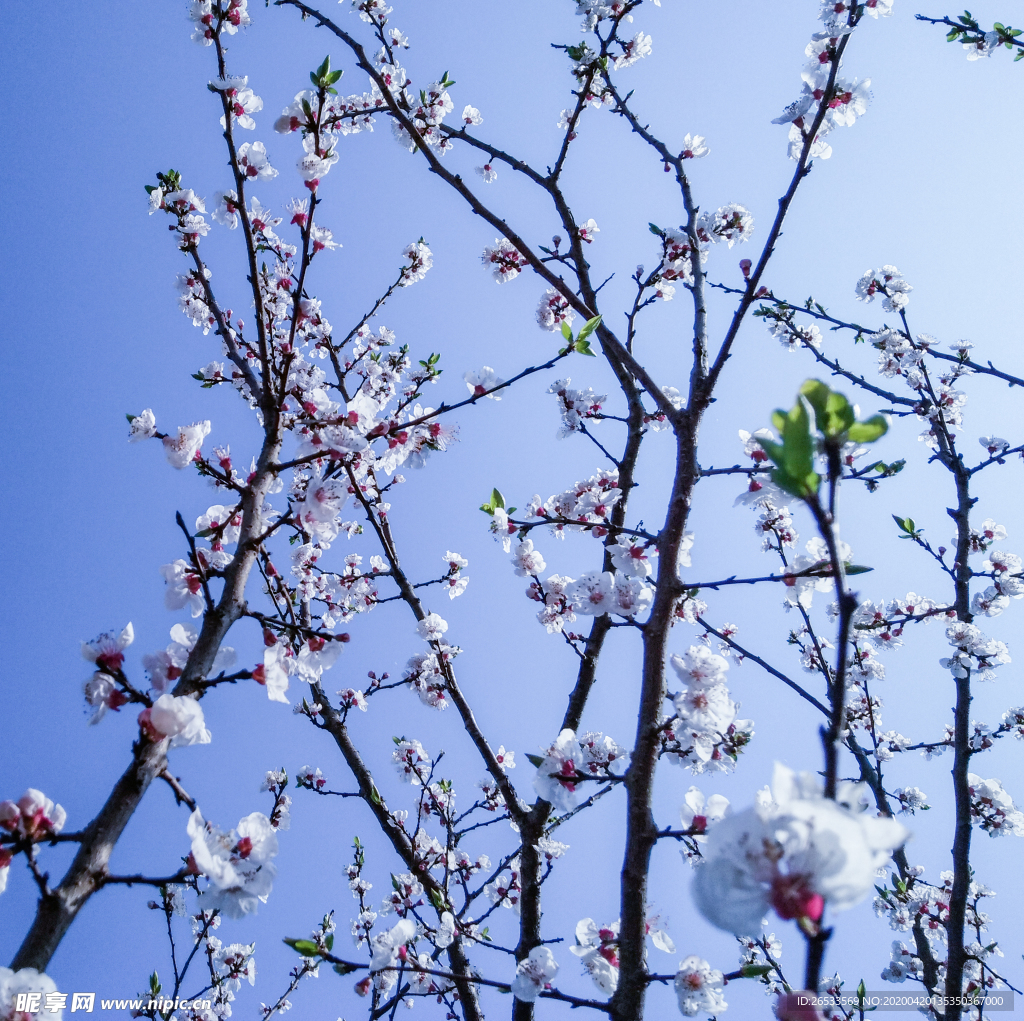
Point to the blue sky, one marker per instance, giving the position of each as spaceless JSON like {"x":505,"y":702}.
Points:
{"x":103,"y":95}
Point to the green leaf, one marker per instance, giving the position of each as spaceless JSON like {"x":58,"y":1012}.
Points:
{"x":329,"y":941}
{"x":567,"y":331}
{"x":375,"y":795}
{"x":869,"y":431}
{"x":839,"y":415}
{"x":655,"y":229}
{"x":321,"y":77}
{"x":797,"y":442}
{"x":857,"y":569}
{"x":583,"y":348}
{"x":755,"y":970}
{"x":536,"y":760}
{"x":861,"y":991}
{"x":305,"y":947}
{"x":496,"y":501}
{"x":588,"y":328}
{"x":833,"y":413}
{"x":778,"y":419}
{"x":154,"y":983}
{"x":801,"y":487}
{"x":131,"y":418}
{"x":906,"y":524}
{"x":344,"y":969}
{"x":817,"y":394}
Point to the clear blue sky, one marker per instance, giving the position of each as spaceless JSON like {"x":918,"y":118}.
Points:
{"x":100,"y":96}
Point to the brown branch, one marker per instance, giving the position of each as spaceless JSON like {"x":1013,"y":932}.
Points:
{"x":181,"y":796}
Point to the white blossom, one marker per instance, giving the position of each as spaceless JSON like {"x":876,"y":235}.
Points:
{"x":797,"y":854}
{"x":534,"y":975}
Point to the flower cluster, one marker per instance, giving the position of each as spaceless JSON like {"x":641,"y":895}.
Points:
{"x":575,"y":406}
{"x":704,"y":732}
{"x":586,"y":506}
{"x":730,"y":223}
{"x":506,"y":262}
{"x":975,"y":653}
{"x":211,"y":17}
{"x":103,"y":690}
{"x":1005,"y":571}
{"x":238,"y":864}
{"x":912,"y":903}
{"x":992,"y":809}
{"x":570,"y":761}
{"x":554,"y":310}
{"x":33,"y":817}
{"x":425,"y":673}
{"x":427,"y":110}
{"x":241,"y":101}
{"x":597,"y":947}
{"x":846,"y":100}
{"x":412,"y":762}
{"x":166,"y":666}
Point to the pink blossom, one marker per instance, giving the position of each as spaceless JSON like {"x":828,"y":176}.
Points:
{"x":33,"y":816}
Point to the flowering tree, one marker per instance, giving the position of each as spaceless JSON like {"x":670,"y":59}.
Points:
{"x":341,"y":417}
